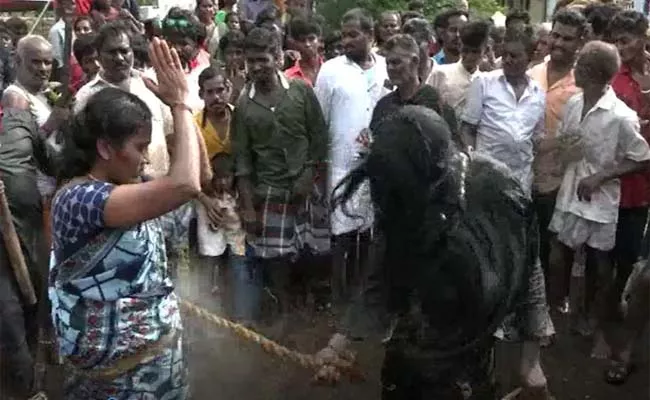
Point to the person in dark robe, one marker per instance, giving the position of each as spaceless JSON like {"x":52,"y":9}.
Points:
{"x":24,"y":150}
{"x":461,"y":245}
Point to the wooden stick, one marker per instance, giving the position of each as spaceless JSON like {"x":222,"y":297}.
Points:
{"x":40,"y":17}
{"x":512,"y":395}
{"x":67,"y":53}
{"x":14,"y":251}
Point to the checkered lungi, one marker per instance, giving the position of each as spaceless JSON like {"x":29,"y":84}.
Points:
{"x":286,"y":227}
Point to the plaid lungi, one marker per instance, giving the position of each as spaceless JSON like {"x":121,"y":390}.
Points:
{"x":286,"y":227}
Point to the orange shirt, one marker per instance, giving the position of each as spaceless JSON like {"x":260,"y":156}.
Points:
{"x":548,"y":171}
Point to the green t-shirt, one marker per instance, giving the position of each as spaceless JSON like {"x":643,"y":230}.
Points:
{"x":220,"y":16}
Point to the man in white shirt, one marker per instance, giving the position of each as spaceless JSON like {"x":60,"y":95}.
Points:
{"x":611,"y":145}
{"x":65,"y":11}
{"x":452,"y":80}
{"x":504,"y":113}
{"x":116,"y":59}
{"x":348,"y":87}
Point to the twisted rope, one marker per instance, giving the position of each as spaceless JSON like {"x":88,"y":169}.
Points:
{"x":269,"y":346}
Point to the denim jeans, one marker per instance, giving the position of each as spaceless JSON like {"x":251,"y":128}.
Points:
{"x":246,"y":284}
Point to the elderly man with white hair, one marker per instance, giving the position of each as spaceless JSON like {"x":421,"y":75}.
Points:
{"x":28,"y":122}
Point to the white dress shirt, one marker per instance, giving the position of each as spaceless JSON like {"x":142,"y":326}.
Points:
{"x":347,"y":95}
{"x":506,"y":127}
{"x":161,"y":120}
{"x":610,"y":133}
{"x":452,"y":83}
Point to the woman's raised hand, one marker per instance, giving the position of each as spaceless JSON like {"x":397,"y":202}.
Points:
{"x":172,"y":84}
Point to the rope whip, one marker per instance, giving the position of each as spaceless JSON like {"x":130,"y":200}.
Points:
{"x":269,"y":346}
{"x":275,"y":349}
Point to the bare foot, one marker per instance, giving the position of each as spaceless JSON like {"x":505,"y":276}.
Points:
{"x":601,"y":350}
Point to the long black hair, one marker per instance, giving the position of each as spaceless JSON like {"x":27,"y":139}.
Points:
{"x":414,"y":173}
{"x":111,"y":114}
{"x":459,"y":234}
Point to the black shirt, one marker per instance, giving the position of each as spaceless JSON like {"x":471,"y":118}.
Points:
{"x":426,"y":96}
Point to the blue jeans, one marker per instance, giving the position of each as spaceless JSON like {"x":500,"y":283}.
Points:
{"x":246,"y":284}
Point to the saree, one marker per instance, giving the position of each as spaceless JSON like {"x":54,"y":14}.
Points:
{"x":113,"y":303}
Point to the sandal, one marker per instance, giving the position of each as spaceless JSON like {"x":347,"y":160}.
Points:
{"x":618,"y":372}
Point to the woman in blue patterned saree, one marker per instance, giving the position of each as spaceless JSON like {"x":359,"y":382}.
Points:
{"x":114,"y":307}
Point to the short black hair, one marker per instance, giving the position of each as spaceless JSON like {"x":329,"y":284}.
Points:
{"x":475,"y":34}
{"x":140,"y":49}
{"x":523,"y":36}
{"x":599,"y":15}
{"x":269,"y":14}
{"x":332,"y":38}
{"x":629,"y":21}
{"x":110,"y":30}
{"x":300,"y":28}
{"x":232,"y":39}
{"x":191,"y":28}
{"x":409,"y":15}
{"x":402,"y":41}
{"x":84,"y":46}
{"x":152,"y":28}
{"x":442,"y":20}
{"x":83,"y":18}
{"x":415,"y":5}
{"x":230,"y":15}
{"x":361,"y":15}
{"x":210,"y":73}
{"x":17,"y":25}
{"x":246,"y":26}
{"x":419,"y":29}
{"x":262,"y":39}
{"x":517,"y":15}
{"x":572,"y":18}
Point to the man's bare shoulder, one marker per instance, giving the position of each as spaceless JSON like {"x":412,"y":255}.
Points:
{"x":12,"y":99}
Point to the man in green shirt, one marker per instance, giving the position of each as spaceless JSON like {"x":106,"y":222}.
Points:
{"x":280,"y":143}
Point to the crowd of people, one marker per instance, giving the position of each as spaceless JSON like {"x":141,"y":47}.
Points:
{"x":461,"y":173}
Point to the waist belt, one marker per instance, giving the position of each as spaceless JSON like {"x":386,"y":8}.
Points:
{"x":125,"y":364}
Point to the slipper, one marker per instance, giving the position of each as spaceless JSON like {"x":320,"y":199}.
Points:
{"x":618,"y":372}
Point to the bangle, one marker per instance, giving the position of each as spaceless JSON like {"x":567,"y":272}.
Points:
{"x":645,"y":91}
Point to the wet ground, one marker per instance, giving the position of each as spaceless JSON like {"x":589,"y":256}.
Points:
{"x":225,"y":367}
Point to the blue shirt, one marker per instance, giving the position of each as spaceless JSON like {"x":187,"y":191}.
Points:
{"x":440,"y":57}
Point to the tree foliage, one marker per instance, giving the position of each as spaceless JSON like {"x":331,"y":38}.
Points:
{"x":333,"y":10}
